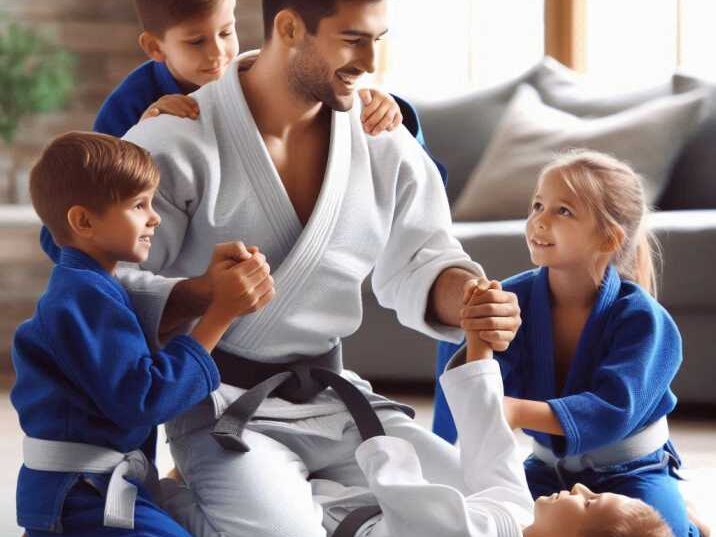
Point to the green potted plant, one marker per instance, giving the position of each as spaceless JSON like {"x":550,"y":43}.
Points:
{"x":35,"y":76}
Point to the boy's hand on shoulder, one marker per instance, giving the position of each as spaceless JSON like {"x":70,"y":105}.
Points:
{"x":176,"y":105}
{"x":495,"y":314}
{"x":380,"y":112}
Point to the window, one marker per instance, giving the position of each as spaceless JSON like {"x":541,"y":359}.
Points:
{"x":631,"y":43}
{"x":698,"y":38}
{"x":437,"y":49}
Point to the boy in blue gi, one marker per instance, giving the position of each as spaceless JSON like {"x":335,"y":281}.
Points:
{"x":588,"y":375}
{"x":89,"y":391}
{"x":192,"y":43}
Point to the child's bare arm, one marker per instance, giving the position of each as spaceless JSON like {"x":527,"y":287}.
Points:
{"x":532,"y":415}
{"x":176,"y":105}
{"x":380,"y":111}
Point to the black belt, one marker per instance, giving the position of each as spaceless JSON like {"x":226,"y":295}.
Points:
{"x":297,"y":381}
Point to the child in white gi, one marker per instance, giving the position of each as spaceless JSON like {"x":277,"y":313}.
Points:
{"x":498,"y":503}
{"x":89,"y":392}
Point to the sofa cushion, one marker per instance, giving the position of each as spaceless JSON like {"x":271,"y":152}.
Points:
{"x":565,"y":89}
{"x":692,"y":183}
{"x":687,"y":239}
{"x":531,"y":133}
{"x":458,"y":130}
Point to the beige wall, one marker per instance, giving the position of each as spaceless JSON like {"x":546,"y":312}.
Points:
{"x":102,"y":34}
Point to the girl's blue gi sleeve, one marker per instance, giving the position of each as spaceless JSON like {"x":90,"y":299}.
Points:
{"x":630,"y":386}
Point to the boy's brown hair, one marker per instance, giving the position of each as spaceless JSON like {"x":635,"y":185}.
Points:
{"x":88,"y":169}
{"x":157,"y":16}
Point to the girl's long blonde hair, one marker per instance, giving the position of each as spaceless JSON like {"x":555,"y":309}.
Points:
{"x":614,"y":194}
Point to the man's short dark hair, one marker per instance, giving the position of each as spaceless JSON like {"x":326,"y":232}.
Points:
{"x":311,"y":11}
{"x":157,"y":16}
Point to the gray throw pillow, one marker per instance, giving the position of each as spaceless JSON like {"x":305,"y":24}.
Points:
{"x":458,"y":130}
{"x":531,"y":133}
{"x":567,"y":90}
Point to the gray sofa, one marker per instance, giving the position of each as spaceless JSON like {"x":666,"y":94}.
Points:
{"x":459,"y":130}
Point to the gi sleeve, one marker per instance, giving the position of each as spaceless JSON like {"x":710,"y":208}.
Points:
{"x":174,"y":201}
{"x":630,"y":382}
{"x":98,"y":343}
{"x":489,"y":454}
{"x":420,"y":244}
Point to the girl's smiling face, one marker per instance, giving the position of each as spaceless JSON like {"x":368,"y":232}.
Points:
{"x":561,"y":231}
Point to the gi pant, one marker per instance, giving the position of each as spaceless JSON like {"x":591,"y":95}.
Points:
{"x":300,"y":478}
{"x":651,"y":479}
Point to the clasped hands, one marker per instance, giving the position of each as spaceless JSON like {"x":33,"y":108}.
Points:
{"x":238,"y":279}
{"x":490,"y":318}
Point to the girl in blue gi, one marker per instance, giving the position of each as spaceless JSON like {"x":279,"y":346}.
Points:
{"x":496,"y":501}
{"x":588,"y":375}
{"x":89,"y":391}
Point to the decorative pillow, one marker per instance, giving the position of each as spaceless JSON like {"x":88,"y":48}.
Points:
{"x":458,"y":130}
{"x":531,"y":133}
{"x":561,"y":87}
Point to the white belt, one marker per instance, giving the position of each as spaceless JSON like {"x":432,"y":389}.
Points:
{"x":53,"y":456}
{"x":639,"y":444}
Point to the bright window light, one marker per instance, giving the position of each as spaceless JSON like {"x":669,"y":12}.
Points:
{"x":438,"y":49}
{"x":631,"y":43}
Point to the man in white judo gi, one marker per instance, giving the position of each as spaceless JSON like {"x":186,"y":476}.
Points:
{"x":279,"y":159}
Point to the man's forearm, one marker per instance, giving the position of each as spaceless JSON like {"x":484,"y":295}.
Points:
{"x":446,"y":296}
{"x":188,"y":300}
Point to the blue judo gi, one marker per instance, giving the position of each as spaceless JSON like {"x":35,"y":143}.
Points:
{"x":85,"y":374}
{"x":618,"y":382}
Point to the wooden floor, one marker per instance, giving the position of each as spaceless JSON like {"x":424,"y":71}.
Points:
{"x":695,"y":439}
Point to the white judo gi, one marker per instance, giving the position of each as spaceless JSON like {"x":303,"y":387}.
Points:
{"x":498,"y":502}
{"x":382,"y":208}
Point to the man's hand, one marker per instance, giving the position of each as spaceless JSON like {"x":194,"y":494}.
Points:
{"x":241,"y":288}
{"x":240,"y":283}
{"x":495,"y":314}
{"x":175,"y":105}
{"x":477,"y":349}
{"x":380,"y":112}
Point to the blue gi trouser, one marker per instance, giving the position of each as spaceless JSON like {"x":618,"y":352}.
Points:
{"x":652,"y":479}
{"x":83,"y":514}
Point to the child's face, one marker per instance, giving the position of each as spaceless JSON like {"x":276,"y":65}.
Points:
{"x":198,"y":51}
{"x":124,"y":231}
{"x":561,"y":231}
{"x":567,"y":513}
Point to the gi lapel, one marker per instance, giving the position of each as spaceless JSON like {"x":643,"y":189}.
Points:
{"x":306,"y":246}
{"x":542,"y":342}
{"x":582,"y":368}
{"x":541,"y":338}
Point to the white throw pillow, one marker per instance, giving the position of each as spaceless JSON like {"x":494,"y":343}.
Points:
{"x":531,"y":133}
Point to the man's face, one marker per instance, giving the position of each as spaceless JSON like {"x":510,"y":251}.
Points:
{"x":325,"y":67}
